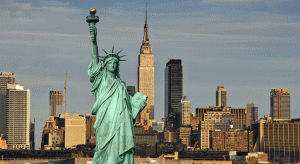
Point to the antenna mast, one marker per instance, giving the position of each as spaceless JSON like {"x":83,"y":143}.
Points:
{"x":66,"y":93}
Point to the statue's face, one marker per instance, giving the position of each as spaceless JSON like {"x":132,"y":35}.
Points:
{"x":112,"y":65}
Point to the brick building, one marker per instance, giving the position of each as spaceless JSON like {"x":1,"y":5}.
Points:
{"x":52,"y":136}
{"x":170,"y":136}
{"x":232,"y":140}
{"x":90,"y":131}
{"x":184,"y":135}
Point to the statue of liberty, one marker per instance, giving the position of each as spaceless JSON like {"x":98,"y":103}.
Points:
{"x":114,"y":108}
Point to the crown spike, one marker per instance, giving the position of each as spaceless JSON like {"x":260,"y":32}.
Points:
{"x":105,"y":51}
{"x":108,"y":55}
{"x":119,"y":52}
{"x":122,"y":56}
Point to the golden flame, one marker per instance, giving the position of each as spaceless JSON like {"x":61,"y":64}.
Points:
{"x":93,"y":11}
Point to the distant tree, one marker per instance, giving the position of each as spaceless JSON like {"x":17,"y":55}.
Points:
{"x":235,"y":162}
{"x":86,"y":155}
{"x":252,"y":160}
{"x":243,"y":162}
{"x":74,"y":155}
{"x":80,"y":154}
{"x":284,"y":160}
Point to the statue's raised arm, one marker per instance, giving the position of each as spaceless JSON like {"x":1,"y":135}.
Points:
{"x":92,"y":20}
{"x":94,"y":47}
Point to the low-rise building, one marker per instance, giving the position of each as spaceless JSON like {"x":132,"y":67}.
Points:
{"x":278,"y":138}
{"x":3,"y":144}
{"x":53,"y":136}
{"x":75,"y":130}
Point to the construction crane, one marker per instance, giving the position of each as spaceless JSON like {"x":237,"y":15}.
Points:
{"x":66,"y":93}
{"x":194,"y":147}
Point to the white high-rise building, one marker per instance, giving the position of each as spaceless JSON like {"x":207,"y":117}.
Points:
{"x":18,"y":117}
{"x":184,"y":108}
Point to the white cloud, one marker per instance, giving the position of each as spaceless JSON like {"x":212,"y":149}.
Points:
{"x":24,"y":6}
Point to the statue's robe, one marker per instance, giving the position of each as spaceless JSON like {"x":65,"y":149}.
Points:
{"x":114,"y":132}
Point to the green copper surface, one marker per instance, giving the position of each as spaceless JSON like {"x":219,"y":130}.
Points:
{"x":114,"y":109}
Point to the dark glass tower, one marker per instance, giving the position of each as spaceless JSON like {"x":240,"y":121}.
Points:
{"x":131,"y":90}
{"x":173,"y":88}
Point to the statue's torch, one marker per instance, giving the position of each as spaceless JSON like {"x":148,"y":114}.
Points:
{"x":92,"y":19}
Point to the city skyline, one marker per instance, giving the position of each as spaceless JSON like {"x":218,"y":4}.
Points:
{"x":246,"y":47}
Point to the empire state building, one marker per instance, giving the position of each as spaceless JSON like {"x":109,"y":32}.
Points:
{"x":146,"y":79}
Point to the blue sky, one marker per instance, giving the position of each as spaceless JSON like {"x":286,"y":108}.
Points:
{"x":247,"y":46}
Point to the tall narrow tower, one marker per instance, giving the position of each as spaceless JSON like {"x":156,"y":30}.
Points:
{"x":173,"y":90}
{"x":5,"y":78}
{"x":146,"y":78}
{"x":221,"y":95}
{"x":56,"y":102}
{"x":18,"y":117}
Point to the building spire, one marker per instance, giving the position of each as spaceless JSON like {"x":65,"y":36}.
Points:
{"x":146,"y":38}
{"x":146,"y":14}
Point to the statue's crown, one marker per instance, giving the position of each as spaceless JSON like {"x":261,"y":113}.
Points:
{"x":112,"y":54}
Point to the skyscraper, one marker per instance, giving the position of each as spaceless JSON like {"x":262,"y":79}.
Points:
{"x":5,"y":78}
{"x":252,"y":114}
{"x":280,"y":103}
{"x":173,"y":88}
{"x":55,"y":101}
{"x":221,"y":96}
{"x":184,"y":108}
{"x":18,"y":117}
{"x":32,"y":143}
{"x":146,"y":78}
